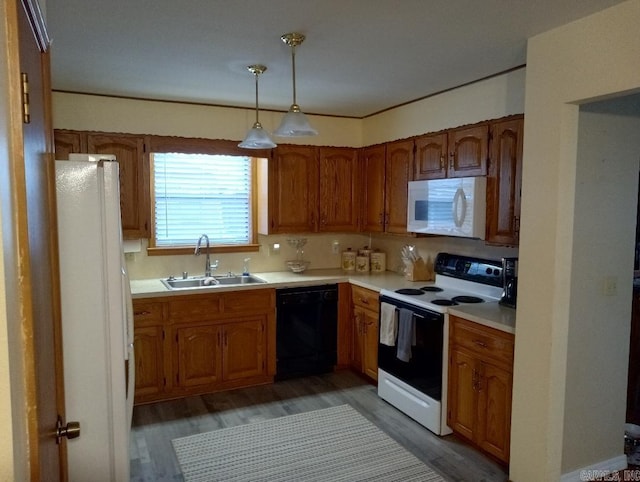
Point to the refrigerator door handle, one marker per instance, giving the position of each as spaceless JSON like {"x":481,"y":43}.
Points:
{"x":129,"y":350}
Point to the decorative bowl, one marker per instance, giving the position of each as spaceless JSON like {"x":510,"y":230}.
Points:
{"x":298,"y":265}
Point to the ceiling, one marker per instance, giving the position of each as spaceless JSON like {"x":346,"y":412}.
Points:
{"x":360,"y":56}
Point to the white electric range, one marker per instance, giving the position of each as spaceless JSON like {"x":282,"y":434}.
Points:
{"x":417,"y":387}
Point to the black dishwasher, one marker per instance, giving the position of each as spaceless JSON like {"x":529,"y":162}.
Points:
{"x":306,"y":330}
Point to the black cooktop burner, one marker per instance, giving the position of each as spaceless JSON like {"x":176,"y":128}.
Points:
{"x":409,"y":291}
{"x":467,"y":299}
{"x":432,"y":289}
{"x":443,"y":302}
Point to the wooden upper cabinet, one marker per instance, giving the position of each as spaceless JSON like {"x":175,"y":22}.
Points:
{"x":69,"y":142}
{"x":504,"y":181}
{"x":468,"y":151}
{"x":431,"y":157}
{"x":293,"y":190}
{"x":134,"y":172}
{"x":134,"y":189}
{"x":372,"y":182}
{"x":339,"y":203}
{"x":398,"y":172}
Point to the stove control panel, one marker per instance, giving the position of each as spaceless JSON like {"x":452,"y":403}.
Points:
{"x":478,"y":270}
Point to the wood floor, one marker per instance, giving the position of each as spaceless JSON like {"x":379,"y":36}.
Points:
{"x":155,"y":425}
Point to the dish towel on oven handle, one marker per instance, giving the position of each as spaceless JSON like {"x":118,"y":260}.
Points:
{"x":388,"y":324}
{"x":406,"y":334}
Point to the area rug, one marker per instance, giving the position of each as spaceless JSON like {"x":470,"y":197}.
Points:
{"x":331,"y":444}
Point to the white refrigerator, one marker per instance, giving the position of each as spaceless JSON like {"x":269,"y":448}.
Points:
{"x":97,"y":318}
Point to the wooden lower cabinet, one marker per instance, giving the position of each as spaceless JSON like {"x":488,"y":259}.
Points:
{"x":480,"y":384}
{"x":149,"y":361}
{"x":244,"y":349}
{"x":198,"y":355}
{"x":193,"y":344}
{"x":365,"y":328}
{"x":208,"y":354}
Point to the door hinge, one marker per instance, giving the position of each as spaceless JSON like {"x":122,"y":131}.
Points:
{"x":26,"y":116}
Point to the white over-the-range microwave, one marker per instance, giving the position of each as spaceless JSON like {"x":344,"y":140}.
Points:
{"x":450,"y":207}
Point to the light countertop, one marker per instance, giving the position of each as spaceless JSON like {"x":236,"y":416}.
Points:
{"x":493,"y":315}
{"x":488,"y":314}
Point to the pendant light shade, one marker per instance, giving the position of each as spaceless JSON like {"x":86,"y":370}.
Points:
{"x":257,"y":137}
{"x":294,"y":123}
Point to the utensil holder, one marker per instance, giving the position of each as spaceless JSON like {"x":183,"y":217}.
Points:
{"x":419,"y":271}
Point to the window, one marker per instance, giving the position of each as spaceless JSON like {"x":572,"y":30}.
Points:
{"x":194,"y":194}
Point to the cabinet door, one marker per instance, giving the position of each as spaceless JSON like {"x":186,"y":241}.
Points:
{"x":504,"y":180}
{"x":370,"y":344}
{"x":399,"y":171}
{"x":357,"y":337}
{"x":494,"y":410}
{"x":431,"y":157}
{"x":339,"y":203}
{"x":462,"y":410}
{"x":244,"y":349}
{"x":69,"y":142}
{"x":198,"y":355}
{"x":149,"y":360}
{"x":134,"y":186}
{"x":293,"y":190}
{"x":372,"y":181}
{"x":468,"y":151}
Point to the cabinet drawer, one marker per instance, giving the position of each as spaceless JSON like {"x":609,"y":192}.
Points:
{"x":482,"y":340}
{"x":147,"y":312}
{"x":243,"y":301}
{"x":365,"y":298}
{"x":195,"y":308}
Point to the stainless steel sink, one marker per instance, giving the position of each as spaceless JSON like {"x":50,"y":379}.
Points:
{"x":211,"y":282}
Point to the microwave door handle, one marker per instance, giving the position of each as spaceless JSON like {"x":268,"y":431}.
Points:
{"x":459,"y":199}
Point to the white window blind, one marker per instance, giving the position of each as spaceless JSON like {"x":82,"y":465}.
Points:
{"x":202,"y":194}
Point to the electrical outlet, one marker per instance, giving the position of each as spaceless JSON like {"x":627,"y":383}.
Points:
{"x":610,"y":286}
{"x":335,"y":247}
{"x":274,"y":249}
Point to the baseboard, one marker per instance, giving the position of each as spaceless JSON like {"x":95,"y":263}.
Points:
{"x":596,"y":471}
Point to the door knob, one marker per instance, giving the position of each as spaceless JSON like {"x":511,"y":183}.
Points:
{"x":70,"y":430}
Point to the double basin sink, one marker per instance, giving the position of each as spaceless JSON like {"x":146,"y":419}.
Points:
{"x":210,"y":282}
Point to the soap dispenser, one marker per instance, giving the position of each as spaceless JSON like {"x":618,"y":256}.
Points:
{"x":245,"y":267}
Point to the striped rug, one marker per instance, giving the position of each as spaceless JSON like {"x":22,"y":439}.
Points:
{"x":332,"y":444}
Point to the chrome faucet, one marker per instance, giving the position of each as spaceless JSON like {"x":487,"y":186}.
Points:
{"x":207,"y":262}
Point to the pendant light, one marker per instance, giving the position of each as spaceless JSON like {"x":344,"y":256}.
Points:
{"x":257,"y":137}
{"x":294,"y":123}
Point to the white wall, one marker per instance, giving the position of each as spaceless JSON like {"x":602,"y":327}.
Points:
{"x":111,"y":114}
{"x":579,"y":62}
{"x":487,"y":99}
{"x":605,"y":215}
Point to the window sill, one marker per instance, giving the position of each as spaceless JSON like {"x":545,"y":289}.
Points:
{"x":176,"y":250}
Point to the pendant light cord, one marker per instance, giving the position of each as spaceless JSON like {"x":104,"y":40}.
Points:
{"x":293,"y":71}
{"x":256,"y":76}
